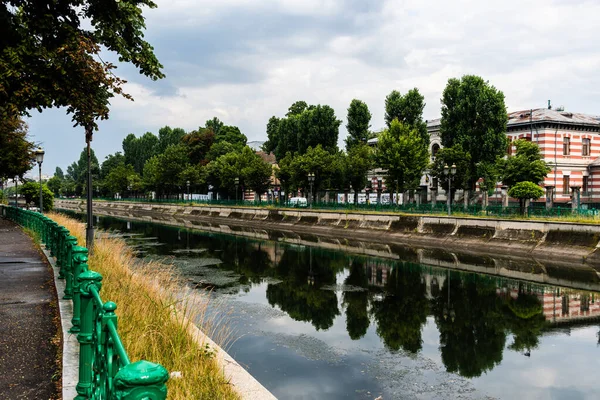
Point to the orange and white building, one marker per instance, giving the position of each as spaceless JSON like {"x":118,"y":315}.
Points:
{"x":569,"y":143}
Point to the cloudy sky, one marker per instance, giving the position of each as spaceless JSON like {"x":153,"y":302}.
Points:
{"x":246,"y":60}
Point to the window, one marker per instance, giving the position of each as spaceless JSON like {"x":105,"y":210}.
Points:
{"x":565,"y":305}
{"x":586,"y":184}
{"x":585,"y":147}
{"x":566,"y":184}
{"x":584,"y":303}
{"x":509,"y":147}
{"x":566,"y":146}
{"x":434,"y":149}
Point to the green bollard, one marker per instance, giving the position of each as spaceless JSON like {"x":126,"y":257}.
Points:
{"x":85,"y":337}
{"x":140,"y":381}
{"x":79,"y":267}
{"x":61,"y":259}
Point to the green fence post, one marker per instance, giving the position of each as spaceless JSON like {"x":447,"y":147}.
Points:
{"x":85,"y":337}
{"x":61,"y":258}
{"x":141,"y":380}
{"x":78,"y":267}
{"x":71,"y":243}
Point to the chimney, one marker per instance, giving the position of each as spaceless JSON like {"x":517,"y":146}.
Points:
{"x":549,"y":106}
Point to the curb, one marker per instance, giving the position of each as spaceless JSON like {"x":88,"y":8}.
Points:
{"x":70,"y":350}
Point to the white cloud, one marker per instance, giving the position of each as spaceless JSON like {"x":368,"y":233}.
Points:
{"x":245,"y":60}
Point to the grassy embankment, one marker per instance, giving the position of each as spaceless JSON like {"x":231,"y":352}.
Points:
{"x":145,"y":296}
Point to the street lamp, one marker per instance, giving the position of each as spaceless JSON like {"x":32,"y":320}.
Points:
{"x":16,"y":191}
{"x":311,"y":181}
{"x":188,"y":189}
{"x":237,"y":183}
{"x":452,"y":172}
{"x":379,"y":187}
{"x":39,"y":157}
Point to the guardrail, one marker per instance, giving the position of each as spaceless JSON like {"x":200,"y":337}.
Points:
{"x":492,"y":210}
{"x":105,"y":371}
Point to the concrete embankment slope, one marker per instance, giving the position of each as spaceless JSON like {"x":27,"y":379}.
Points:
{"x":543,"y":240}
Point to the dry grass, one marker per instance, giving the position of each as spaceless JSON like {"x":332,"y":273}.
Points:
{"x":146,"y":297}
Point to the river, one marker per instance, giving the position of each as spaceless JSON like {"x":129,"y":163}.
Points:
{"x":316,"y":323}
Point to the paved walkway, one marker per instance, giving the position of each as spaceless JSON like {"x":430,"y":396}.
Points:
{"x":28,"y":319}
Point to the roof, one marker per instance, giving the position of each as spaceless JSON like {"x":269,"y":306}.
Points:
{"x":267,"y":157}
{"x":545,"y":114}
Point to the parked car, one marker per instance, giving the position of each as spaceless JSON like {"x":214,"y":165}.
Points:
{"x":298,"y":202}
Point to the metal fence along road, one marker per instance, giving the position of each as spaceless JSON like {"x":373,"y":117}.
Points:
{"x":105,"y":371}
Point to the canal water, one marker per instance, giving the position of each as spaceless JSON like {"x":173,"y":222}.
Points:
{"x":315,"y":323}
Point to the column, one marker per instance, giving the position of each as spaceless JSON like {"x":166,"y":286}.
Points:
{"x":575,"y":197}
{"x":549,"y":197}
{"x":504,"y":196}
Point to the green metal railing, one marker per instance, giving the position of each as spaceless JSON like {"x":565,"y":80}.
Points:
{"x":105,"y":371}
{"x":493,"y":210}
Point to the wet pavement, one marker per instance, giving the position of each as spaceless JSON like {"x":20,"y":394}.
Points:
{"x":28,"y":315}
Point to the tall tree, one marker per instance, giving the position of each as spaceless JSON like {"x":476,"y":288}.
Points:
{"x":110,"y":162}
{"x":474,"y":117}
{"x":139,"y":150}
{"x":163,"y":172}
{"x":199,"y":143}
{"x":297,"y":108}
{"x":318,"y":126}
{"x":231,"y":134}
{"x":58,"y":172}
{"x":526,"y":165}
{"x":215,"y":125}
{"x":407,"y":109}
{"x":77,"y":171}
{"x":359,"y":122}
{"x":272,"y":135}
{"x":50,"y":55}
{"x":16,"y":152}
{"x":167,"y":137}
{"x":452,"y":156}
{"x":359,"y":161}
{"x":402,"y":152}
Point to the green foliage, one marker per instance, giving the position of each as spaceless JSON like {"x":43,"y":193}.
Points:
{"x":77,"y":171}
{"x":232,"y":135}
{"x":526,"y":190}
{"x":220,"y":149}
{"x":163,"y":171}
{"x":199,"y":143}
{"x":122,"y":179}
{"x":449,"y":156}
{"x":407,"y":109}
{"x":31,"y":192}
{"x":359,"y":122}
{"x":246,"y":165}
{"x":526,"y":165}
{"x":16,"y":154}
{"x":317,"y":161}
{"x":59,"y":173}
{"x":474,"y":117}
{"x":304,"y":127}
{"x":139,"y":150}
{"x":55,"y":184}
{"x":50,"y":55}
{"x":168,"y":137}
{"x":358,"y":162}
{"x":3,"y":197}
{"x":318,"y":126}
{"x":110,"y":162}
{"x":403,"y":153}
{"x":214,"y":125}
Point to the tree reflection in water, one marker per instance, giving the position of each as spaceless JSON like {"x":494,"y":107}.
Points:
{"x":402,"y":312}
{"x":356,"y":300}
{"x":299,"y":294}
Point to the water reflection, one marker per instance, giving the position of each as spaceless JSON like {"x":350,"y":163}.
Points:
{"x":478,"y":319}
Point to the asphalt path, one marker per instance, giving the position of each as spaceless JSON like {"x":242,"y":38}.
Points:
{"x":28,"y":319}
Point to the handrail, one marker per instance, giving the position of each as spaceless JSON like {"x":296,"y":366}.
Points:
{"x":105,"y":371}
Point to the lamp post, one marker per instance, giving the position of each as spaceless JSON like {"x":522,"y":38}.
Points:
{"x":311,"y":181}
{"x":237,"y":183}
{"x":450,"y":172}
{"x":379,"y":187}
{"x":187,"y":183}
{"x":39,"y":157}
{"x":16,"y":191}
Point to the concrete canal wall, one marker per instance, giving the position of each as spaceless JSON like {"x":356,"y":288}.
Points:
{"x":543,"y":240}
